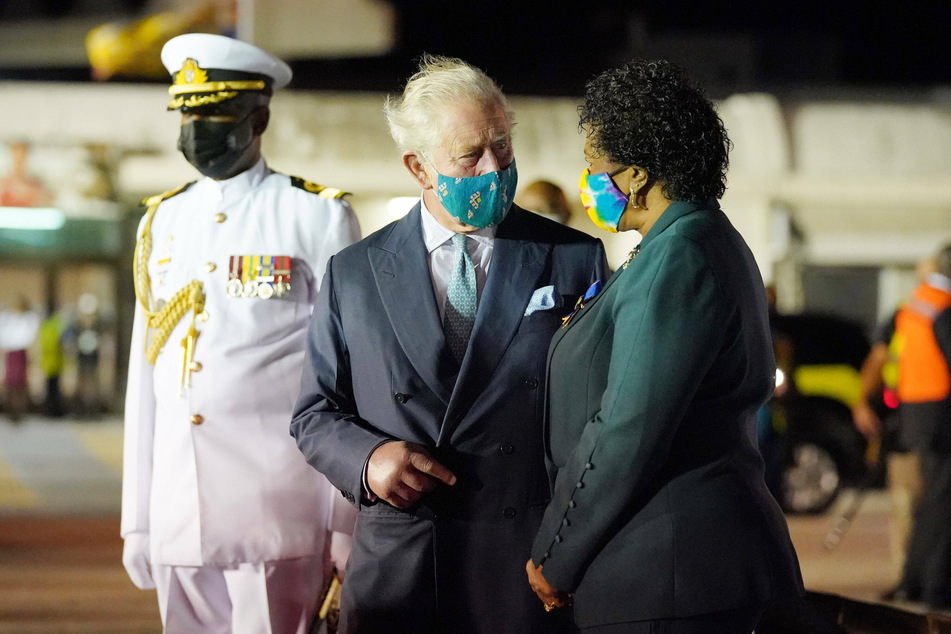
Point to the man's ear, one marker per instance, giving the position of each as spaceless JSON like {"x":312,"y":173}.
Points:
{"x":261,"y":116}
{"x":417,"y":169}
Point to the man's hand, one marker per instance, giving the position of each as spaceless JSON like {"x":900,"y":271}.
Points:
{"x":399,"y":472}
{"x":135,"y":558}
{"x":551,"y":597}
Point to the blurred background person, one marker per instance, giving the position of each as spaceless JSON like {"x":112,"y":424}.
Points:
{"x":923,"y":343}
{"x":51,"y":333}
{"x":19,"y":188}
{"x":546,"y":199}
{"x":877,"y":414}
{"x":660,"y":518}
{"x":18,"y":328}
{"x":88,"y":398}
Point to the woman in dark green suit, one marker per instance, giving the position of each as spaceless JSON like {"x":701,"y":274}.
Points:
{"x":660,"y":520}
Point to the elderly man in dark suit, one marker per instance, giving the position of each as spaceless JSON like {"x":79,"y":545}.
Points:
{"x":420,"y":398}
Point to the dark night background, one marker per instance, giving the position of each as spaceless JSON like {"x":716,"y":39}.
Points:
{"x":551,"y":48}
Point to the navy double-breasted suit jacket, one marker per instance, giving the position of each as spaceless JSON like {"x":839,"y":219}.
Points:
{"x":377,"y":368}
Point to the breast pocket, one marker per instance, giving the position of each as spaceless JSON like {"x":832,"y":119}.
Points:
{"x":546,"y":320}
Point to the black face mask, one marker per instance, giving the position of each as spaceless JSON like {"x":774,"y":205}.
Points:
{"x":215,"y":147}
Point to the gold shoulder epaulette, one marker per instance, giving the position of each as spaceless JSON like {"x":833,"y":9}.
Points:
{"x":320,"y":190}
{"x":154,"y":200}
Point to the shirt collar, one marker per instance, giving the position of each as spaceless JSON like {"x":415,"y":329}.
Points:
{"x":435,"y":235}
{"x":237,"y":186}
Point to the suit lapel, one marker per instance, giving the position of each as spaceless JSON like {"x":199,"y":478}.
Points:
{"x":401,"y":270}
{"x":517,"y":265}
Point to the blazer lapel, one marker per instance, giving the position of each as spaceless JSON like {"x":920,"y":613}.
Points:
{"x":401,"y":270}
{"x":517,"y":265}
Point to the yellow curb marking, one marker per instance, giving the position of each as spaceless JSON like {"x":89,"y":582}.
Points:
{"x":105,"y":444}
{"x":14,"y":493}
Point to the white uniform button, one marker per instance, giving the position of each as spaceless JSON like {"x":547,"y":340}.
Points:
{"x":195,"y":366}
{"x":210,"y":267}
{"x":220,"y":217}
{"x":197,"y":419}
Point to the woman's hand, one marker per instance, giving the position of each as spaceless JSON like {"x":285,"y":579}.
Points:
{"x":551,"y":597}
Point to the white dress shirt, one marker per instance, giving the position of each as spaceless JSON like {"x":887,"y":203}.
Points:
{"x":442,"y":255}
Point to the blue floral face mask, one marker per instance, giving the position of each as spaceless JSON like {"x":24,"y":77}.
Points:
{"x":480,"y":201}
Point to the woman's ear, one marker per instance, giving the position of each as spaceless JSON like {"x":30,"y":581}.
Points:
{"x":640,"y":184}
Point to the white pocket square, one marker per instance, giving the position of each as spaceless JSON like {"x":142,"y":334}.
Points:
{"x":544,"y":298}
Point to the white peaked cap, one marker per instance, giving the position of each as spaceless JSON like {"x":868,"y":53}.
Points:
{"x":218,"y":52}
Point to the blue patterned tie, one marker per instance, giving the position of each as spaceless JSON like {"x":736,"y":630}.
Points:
{"x":460,"y":301}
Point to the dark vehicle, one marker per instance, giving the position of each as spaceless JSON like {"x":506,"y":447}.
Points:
{"x":812,"y":450}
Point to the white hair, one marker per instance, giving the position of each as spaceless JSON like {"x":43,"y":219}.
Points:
{"x":413,"y":118}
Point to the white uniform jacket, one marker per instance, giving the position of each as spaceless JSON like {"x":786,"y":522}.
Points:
{"x":214,"y":476}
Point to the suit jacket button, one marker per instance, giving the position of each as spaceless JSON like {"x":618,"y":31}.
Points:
{"x":531,"y":383}
{"x":506,"y":448}
{"x":580,"y":485}
{"x":572,"y":504}
{"x":400,"y":398}
{"x":558,"y":538}
{"x":508,"y":512}
{"x":197,"y":419}
{"x":589,"y":466}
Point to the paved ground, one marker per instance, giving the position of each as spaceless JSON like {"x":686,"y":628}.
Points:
{"x":60,"y":552}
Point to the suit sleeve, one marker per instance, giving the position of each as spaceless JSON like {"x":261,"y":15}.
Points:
{"x":138,"y":434}
{"x":666,"y":338}
{"x":600,"y":271}
{"x":326,"y":424}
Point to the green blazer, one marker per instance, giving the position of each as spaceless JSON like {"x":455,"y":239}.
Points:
{"x":659,"y":508}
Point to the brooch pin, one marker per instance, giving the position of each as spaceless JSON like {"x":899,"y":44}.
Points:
{"x":588,"y":294}
{"x":631,"y":256}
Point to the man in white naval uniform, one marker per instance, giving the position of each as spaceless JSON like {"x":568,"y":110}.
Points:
{"x":220,"y":512}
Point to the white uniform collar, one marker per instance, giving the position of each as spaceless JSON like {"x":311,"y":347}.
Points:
{"x":435,"y":235}
{"x":237,"y":186}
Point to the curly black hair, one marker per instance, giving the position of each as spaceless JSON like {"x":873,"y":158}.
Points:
{"x":648,"y":113}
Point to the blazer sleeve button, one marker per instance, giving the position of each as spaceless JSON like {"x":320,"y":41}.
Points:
{"x":506,"y":448}
{"x":531,"y":383}
{"x":508,"y":512}
{"x":400,"y":398}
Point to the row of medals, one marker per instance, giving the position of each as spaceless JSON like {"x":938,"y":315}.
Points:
{"x":264,"y":287}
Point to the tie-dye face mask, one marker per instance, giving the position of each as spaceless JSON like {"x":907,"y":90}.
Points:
{"x":601,"y":198}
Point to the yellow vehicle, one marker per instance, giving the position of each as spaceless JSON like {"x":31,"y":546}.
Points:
{"x":812,"y":450}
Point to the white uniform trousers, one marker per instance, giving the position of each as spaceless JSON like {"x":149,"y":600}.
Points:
{"x":274,"y":597}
